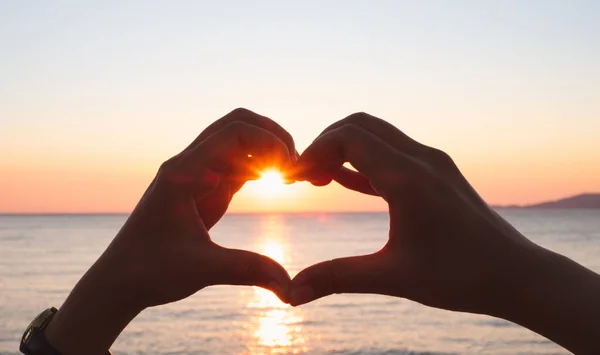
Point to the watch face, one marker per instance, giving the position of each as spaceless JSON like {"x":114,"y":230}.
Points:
{"x":27,"y":334}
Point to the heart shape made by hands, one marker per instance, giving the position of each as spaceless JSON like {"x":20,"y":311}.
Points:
{"x":435,"y":254}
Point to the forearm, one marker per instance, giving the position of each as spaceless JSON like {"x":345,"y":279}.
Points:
{"x":94,"y":314}
{"x":557,"y":298}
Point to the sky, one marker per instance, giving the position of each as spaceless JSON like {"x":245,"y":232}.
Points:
{"x":95,"y":95}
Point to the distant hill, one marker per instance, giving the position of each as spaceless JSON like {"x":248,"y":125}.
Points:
{"x":579,"y":201}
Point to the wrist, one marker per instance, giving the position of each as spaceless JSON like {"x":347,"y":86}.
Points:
{"x":517,"y":278}
{"x":557,"y":298}
{"x":94,"y":314}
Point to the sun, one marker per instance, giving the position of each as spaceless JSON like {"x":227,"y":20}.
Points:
{"x":270,"y":183}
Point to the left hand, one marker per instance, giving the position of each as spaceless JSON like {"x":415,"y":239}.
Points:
{"x":164,"y":252}
{"x":165,"y":243}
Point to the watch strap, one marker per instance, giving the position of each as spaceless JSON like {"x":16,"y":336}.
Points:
{"x":34,"y":341}
{"x":38,"y":345}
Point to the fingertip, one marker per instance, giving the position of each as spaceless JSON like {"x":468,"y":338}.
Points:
{"x":321,"y":180}
{"x":300,"y":279}
{"x":280,"y":275}
{"x":296,"y":173}
{"x":301,"y":294}
{"x":312,"y":175}
{"x":300,"y":291}
{"x":241,"y":267}
{"x":280,"y":291}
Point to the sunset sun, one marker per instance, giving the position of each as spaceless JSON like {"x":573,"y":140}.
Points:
{"x":271,"y":183}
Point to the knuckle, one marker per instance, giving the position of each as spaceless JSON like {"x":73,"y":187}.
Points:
{"x":250,"y":118}
{"x":167,"y":175}
{"x":358,"y":117}
{"x":171,"y":174}
{"x":240,"y":111}
{"x":174,"y":174}
{"x":168,"y":167}
{"x":439,"y":158}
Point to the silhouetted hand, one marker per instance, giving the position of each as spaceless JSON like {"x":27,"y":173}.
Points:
{"x":447,"y":248}
{"x":165,"y":244}
{"x":164,"y":252}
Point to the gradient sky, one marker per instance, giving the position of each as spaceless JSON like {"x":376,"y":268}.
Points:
{"x":93,"y":97}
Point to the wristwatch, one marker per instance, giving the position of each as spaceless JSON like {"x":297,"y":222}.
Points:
{"x":33,"y":341}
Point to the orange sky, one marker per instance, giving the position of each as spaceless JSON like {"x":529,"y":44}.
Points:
{"x":92,"y":185}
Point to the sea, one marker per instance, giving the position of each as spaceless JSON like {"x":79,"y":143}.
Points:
{"x":43,"y":256}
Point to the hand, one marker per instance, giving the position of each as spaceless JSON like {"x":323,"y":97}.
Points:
{"x":164,"y":253}
{"x":165,"y":243}
{"x":447,"y":248}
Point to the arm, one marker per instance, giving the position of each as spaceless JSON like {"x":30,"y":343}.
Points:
{"x":164,"y":252}
{"x":447,"y":248}
{"x":557,"y":298}
{"x":94,"y":314}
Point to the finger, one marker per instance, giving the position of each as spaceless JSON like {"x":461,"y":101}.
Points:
{"x":241,"y":267}
{"x":381,"y":164}
{"x":228,"y":152}
{"x":349,"y":179}
{"x":384,"y":130}
{"x":249,"y":117}
{"x":354,"y":181}
{"x":287,"y":176}
{"x":322,"y":179}
{"x":357,"y":274}
{"x":390,"y":134}
{"x":224,"y":158}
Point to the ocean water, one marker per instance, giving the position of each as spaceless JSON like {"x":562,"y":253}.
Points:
{"x":41,"y":258}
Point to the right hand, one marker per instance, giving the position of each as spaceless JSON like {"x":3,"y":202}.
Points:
{"x":447,"y":248}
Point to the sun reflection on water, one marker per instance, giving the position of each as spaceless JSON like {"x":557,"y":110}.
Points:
{"x":274,"y":250}
{"x":276,"y":327}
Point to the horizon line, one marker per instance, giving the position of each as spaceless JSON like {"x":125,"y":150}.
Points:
{"x":106,"y":213}
{"x":128,"y":213}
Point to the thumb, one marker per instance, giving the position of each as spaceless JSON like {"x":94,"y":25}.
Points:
{"x":242,"y":267}
{"x":354,"y":180}
{"x":357,"y":274}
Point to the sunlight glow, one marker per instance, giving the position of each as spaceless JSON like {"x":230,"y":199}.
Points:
{"x":273,"y":250}
{"x":270,"y":184}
